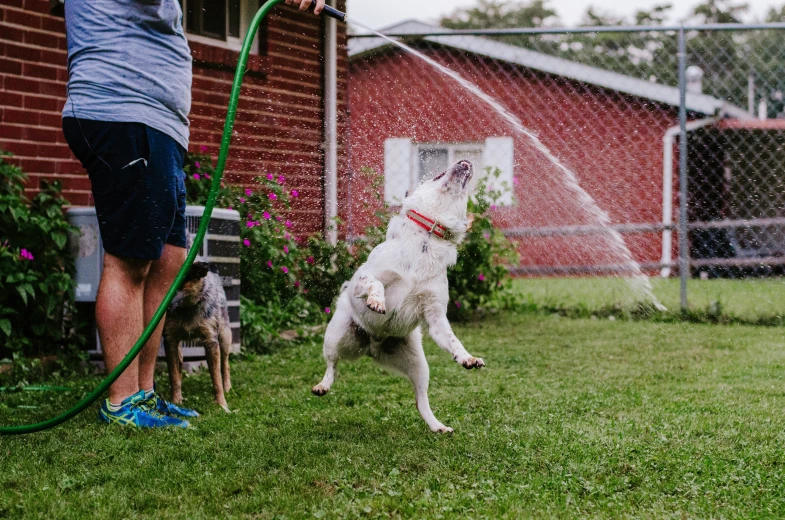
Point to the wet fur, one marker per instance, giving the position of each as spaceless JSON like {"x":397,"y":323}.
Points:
{"x":402,"y":286}
{"x":198,"y":312}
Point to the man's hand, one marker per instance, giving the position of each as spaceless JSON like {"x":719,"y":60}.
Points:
{"x":305,"y":4}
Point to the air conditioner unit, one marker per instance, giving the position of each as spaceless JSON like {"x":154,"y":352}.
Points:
{"x":221,"y":249}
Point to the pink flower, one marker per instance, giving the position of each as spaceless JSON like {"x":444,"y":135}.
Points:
{"x":493,"y":207}
{"x":266,"y":215}
{"x":197,"y":176}
{"x":287,"y":236}
{"x":202,"y":148}
{"x":250,"y":224}
{"x":269,"y":263}
{"x":457,"y":304}
{"x":248,"y":192}
{"x":197,"y":164}
{"x":206,"y":176}
{"x":272,"y":196}
{"x":297,"y":283}
{"x":305,"y":291}
{"x":280,"y":179}
{"x":327,"y":310}
{"x":295,"y":193}
{"x":27,"y":255}
{"x":242,"y":200}
{"x":288,"y":224}
{"x":516,"y":181}
{"x":247,"y":243}
{"x":229,"y":207}
{"x":481,"y":277}
{"x":285,"y":249}
{"x":310,"y":260}
{"x":278,"y":218}
{"x":269,"y":176}
{"x":285,"y":269}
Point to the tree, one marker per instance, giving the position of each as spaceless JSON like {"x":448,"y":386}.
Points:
{"x":497,"y":14}
{"x":726,"y":57}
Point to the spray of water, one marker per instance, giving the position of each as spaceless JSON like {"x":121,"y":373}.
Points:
{"x":638,"y":282}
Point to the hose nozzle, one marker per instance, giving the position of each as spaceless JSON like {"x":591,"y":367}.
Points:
{"x":329,"y":11}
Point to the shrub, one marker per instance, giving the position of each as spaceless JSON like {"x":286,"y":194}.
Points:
{"x":479,"y":281}
{"x":199,"y":171}
{"x":36,"y":272}
{"x":274,"y":296}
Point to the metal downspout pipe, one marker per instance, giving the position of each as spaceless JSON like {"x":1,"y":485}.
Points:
{"x":330,"y":128}
{"x":667,"y":188}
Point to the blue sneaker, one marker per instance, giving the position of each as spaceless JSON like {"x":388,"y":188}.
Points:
{"x":163,"y":406}
{"x":135,"y":411}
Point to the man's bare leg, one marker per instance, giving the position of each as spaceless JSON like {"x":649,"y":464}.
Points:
{"x":159,"y":279}
{"x":120,"y":318}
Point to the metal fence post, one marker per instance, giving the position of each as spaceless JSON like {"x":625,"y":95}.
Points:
{"x":683,"y":239}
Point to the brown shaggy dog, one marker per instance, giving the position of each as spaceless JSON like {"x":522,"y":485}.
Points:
{"x":198,"y":312}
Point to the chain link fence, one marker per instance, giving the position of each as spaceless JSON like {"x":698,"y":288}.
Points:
{"x":585,"y":127}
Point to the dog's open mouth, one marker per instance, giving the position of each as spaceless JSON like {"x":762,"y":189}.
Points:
{"x":460,"y":172}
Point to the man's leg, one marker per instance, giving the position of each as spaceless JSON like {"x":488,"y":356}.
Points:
{"x":120,"y":318}
{"x":160,"y":278}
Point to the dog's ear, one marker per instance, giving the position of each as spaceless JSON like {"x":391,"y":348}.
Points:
{"x":198,"y":271}
{"x":470,"y":220}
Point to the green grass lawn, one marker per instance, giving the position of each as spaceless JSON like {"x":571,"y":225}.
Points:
{"x":745,"y":298}
{"x":572,"y":418}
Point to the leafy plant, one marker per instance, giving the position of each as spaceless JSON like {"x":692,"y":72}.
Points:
{"x":37,"y":313}
{"x":199,"y":172}
{"x":479,"y":281}
{"x":274,"y":294}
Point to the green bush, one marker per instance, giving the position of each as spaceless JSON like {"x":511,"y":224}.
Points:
{"x":479,"y":281}
{"x":275,"y":298}
{"x":36,"y":273}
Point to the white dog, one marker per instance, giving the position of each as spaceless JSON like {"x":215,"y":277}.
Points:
{"x":404,"y":285}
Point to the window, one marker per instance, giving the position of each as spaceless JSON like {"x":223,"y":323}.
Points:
{"x":219,"y":22}
{"x":406,"y":164}
{"x":434,"y":159}
{"x":213,"y":18}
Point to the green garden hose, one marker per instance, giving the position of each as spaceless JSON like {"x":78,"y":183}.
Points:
{"x":195,"y":247}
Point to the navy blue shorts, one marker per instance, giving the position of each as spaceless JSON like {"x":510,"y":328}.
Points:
{"x":138,"y":184}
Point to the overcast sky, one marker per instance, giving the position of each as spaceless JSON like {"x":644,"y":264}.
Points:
{"x":382,"y":13}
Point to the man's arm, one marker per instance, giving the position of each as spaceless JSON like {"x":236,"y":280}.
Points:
{"x":305,"y":4}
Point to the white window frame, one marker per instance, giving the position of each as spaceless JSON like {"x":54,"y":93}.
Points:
{"x":452,"y":150}
{"x":247,"y":11}
{"x":402,"y":163}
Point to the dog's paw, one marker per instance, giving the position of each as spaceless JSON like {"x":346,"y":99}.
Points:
{"x":225,"y":408}
{"x":376,"y":305}
{"x":473,"y":362}
{"x":444,"y":429}
{"x":319,"y":390}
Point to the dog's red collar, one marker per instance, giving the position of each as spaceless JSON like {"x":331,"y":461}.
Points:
{"x":428,"y":224}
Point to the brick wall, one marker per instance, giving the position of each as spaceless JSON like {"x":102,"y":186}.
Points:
{"x":279,"y":127}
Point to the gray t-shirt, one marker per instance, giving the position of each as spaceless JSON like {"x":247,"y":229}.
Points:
{"x":129,"y":61}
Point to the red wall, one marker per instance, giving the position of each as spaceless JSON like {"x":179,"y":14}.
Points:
{"x":612,"y":142}
{"x":279,"y":126}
